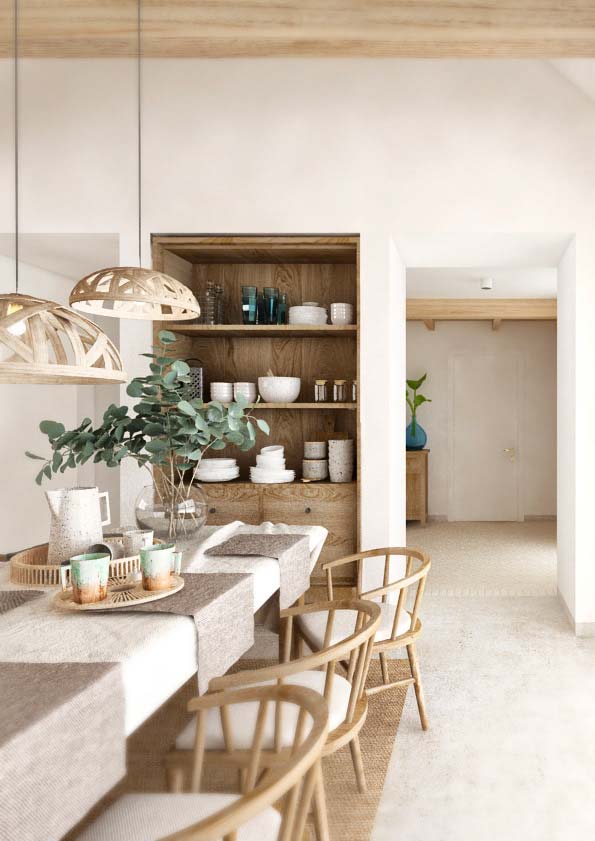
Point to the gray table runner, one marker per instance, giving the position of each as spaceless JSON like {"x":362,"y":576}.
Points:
{"x":62,"y":744}
{"x":221,"y":605}
{"x":291,"y":550}
{"x":9,"y":599}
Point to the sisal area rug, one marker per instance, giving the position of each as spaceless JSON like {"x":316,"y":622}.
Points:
{"x":351,"y":815}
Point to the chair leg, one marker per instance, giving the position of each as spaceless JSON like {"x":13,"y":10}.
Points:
{"x":175,"y":780}
{"x":319,"y":806}
{"x":358,"y":765}
{"x":413,"y":664}
{"x":384,"y":666}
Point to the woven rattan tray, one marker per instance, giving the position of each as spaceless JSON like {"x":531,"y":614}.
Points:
{"x":31,"y":569}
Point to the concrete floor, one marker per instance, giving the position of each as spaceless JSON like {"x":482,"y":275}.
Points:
{"x":510,"y":694}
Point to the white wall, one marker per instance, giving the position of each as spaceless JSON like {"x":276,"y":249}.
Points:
{"x":23,"y":510}
{"x":378,"y":148}
{"x":535,"y":343}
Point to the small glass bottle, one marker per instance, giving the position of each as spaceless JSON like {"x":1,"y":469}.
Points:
{"x":340,"y":391}
{"x":320,"y":391}
{"x":354,"y":391}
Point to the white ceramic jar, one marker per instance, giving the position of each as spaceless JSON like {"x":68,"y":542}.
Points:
{"x":314,"y":449}
{"x":341,"y":314}
{"x":314,"y":469}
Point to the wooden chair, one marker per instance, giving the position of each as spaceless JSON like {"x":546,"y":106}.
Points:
{"x":229,"y":817}
{"x":345,"y":696}
{"x":400,"y":602}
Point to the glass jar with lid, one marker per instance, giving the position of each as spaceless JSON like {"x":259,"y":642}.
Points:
{"x":320,"y":391}
{"x":340,"y":391}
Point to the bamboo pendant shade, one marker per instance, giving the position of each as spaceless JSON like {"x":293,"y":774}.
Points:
{"x":45,"y":342}
{"x":128,"y":292}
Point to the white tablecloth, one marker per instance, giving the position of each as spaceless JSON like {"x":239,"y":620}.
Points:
{"x":157,"y":652}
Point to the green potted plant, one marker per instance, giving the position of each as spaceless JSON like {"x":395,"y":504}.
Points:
{"x":168,"y":430}
{"x":415,"y":435}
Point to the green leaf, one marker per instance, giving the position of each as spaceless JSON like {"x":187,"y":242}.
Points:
{"x":419,"y":399}
{"x":241,"y":401}
{"x":32,"y":455}
{"x":263,"y":426}
{"x":52,"y":429}
{"x":157,"y":445}
{"x":170,"y":378}
{"x":218,"y":445}
{"x":415,"y":384}
{"x":47,"y":471}
{"x":166,"y":337}
{"x":187,"y":408}
{"x":56,"y":461}
{"x":153,"y":428}
{"x":251,"y":431}
{"x":135,"y":389}
{"x":180,"y":367}
{"x":39,"y":477}
{"x":233,"y":423}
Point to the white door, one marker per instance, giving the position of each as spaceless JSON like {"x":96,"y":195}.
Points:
{"x":484,"y":432}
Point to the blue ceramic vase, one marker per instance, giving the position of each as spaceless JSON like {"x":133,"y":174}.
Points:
{"x":415,"y":436}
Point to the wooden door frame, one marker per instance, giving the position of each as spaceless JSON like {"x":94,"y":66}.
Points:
{"x":519,"y":366}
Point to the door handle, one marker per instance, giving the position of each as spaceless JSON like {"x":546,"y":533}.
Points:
{"x":511,"y":451}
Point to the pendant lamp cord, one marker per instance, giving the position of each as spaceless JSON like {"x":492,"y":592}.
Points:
{"x":139,"y":127}
{"x":16,"y":147}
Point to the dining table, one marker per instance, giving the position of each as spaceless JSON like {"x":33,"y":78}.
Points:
{"x":155,"y":653}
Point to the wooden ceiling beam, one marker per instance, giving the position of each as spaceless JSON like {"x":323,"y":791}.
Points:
{"x":303,"y":28}
{"x":495,"y":310}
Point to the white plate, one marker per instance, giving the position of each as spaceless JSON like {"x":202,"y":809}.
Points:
{"x":280,"y":475}
{"x":218,"y":464}
{"x":271,"y":481}
{"x":218,"y":475}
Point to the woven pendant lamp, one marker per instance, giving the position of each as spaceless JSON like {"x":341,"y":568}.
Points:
{"x":129,"y":292}
{"x":45,"y":342}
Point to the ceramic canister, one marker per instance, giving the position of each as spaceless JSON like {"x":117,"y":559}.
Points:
{"x":88,"y":576}
{"x":341,"y":460}
{"x":314,"y":449}
{"x":157,"y":563}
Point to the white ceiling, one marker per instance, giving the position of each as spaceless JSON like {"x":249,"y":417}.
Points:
{"x":465,"y":283}
{"x":71,"y":256}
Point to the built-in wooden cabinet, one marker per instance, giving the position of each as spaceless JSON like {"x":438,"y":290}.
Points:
{"x":417,"y":485}
{"x":308,"y":268}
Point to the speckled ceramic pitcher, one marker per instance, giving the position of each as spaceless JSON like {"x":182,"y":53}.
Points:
{"x":76,"y":521}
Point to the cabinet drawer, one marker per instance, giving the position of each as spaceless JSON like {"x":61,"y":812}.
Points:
{"x":332,"y":506}
{"x":228,"y":502}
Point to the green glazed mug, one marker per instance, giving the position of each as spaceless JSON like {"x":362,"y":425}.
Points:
{"x":88,"y":576}
{"x":157,"y":563}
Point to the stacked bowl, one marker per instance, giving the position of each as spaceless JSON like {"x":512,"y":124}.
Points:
{"x":341,"y":314}
{"x":223,"y":392}
{"x":247,"y":390}
{"x":314,"y":464}
{"x":218,"y":470}
{"x":270,"y":467}
{"x":308,"y":313}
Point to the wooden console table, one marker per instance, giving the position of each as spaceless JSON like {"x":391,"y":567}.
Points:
{"x":417,"y":485}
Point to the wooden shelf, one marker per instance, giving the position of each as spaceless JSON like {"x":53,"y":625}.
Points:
{"x":264,"y":330}
{"x":299,"y":406}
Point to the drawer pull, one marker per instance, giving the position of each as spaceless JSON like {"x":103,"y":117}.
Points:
{"x":308,"y":510}
{"x":212,"y":510}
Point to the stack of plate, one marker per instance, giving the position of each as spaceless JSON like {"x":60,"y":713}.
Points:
{"x":218,"y":470}
{"x":270,"y":467}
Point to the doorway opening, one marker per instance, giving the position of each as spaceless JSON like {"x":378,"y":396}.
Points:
{"x":485,"y":335}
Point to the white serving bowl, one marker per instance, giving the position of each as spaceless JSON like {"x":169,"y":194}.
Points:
{"x":279,"y":389}
{"x":307,"y":315}
{"x":273,"y":448}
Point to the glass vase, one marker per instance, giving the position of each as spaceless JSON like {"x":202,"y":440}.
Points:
{"x":170,"y":513}
{"x":415,"y":436}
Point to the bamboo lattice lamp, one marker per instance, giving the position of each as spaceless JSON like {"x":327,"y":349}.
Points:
{"x":130,"y":292}
{"x":45,"y":342}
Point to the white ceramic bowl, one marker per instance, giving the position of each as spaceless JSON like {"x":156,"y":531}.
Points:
{"x":273,"y":448}
{"x":307,"y":315}
{"x":270,"y":461}
{"x":279,"y":389}
{"x":269,"y":477}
